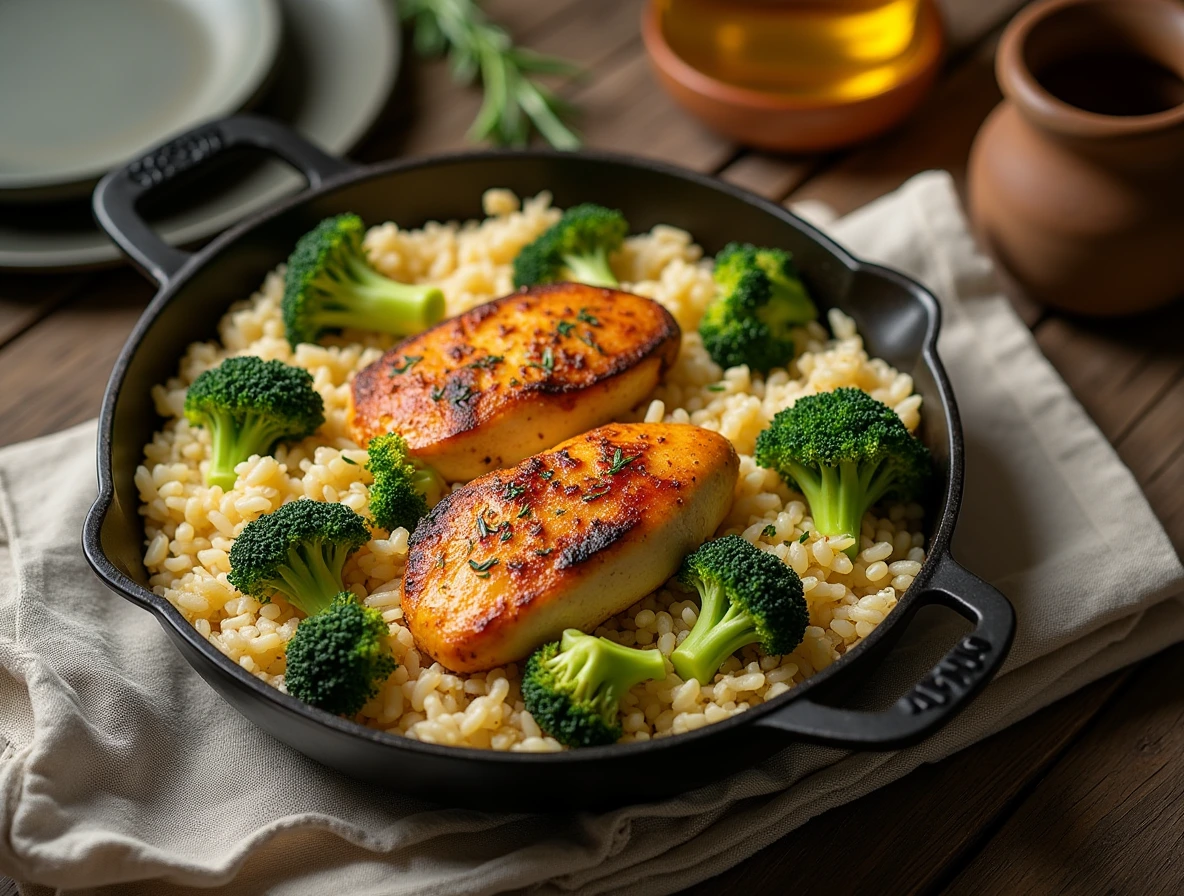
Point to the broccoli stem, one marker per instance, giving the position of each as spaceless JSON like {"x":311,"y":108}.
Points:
{"x":233,"y":441}
{"x":428,"y":483}
{"x":311,"y":578}
{"x":840,"y":496}
{"x":601,"y":672}
{"x":592,"y":269}
{"x":721,"y":629}
{"x":373,"y":302}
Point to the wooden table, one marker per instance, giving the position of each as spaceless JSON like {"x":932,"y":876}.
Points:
{"x":1085,"y":797}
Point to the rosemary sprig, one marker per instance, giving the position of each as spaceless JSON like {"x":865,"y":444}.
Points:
{"x":514,"y":102}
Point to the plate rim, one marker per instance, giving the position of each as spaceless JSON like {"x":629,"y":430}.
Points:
{"x":254,"y":73}
{"x":103,"y":253}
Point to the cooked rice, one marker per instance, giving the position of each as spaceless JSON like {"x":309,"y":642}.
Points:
{"x":190,"y":527}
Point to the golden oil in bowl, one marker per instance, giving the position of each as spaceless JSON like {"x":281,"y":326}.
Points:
{"x":825,"y":50}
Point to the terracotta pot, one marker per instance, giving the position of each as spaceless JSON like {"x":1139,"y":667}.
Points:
{"x":1077,"y":178}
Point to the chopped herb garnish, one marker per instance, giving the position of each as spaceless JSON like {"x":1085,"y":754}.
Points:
{"x":482,"y":529}
{"x":547,"y":474}
{"x":769,"y":531}
{"x":507,"y":531}
{"x":802,"y":540}
{"x":513,"y":490}
{"x":619,"y":463}
{"x":548,"y":360}
{"x":524,"y":512}
{"x":409,"y":361}
{"x":592,"y":496}
{"x":437,"y":393}
{"x":587,"y":339}
{"x":543,"y":552}
{"x":561,"y":511}
{"x":564,"y":327}
{"x":350,"y":461}
{"x":717,"y":387}
{"x":514,"y":381}
{"x":487,"y":362}
{"x":587,"y":318}
{"x":464,"y":395}
{"x":470,"y":550}
{"x":484,"y":565}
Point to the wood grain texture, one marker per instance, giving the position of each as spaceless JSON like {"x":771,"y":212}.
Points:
{"x":924,"y":824}
{"x":26,"y":299}
{"x":1109,"y":818}
{"x":53,"y":375}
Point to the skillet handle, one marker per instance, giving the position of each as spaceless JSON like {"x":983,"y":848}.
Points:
{"x":940,"y":695}
{"x":115,"y":198}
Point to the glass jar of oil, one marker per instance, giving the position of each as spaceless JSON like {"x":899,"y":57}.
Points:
{"x":830,"y":50}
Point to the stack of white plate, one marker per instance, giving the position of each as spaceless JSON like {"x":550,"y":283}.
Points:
{"x":86,"y":85}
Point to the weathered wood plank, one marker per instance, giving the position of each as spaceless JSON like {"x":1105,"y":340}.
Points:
{"x":1110,"y":816}
{"x":1165,"y":491}
{"x":53,"y":375}
{"x":430,"y":113}
{"x":913,"y":834}
{"x":26,"y":299}
{"x":1119,"y":369}
{"x":771,"y":176}
{"x":625,"y":110}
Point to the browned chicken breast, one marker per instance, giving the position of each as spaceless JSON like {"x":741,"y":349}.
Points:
{"x":515,"y":376}
{"x":565,"y":539}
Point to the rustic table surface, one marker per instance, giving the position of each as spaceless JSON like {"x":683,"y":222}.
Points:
{"x":1088,"y":795}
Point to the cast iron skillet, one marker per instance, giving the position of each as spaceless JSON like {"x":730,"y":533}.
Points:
{"x":897,"y":317}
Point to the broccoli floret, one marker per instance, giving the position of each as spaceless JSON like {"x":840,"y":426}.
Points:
{"x":844,"y":451}
{"x":338,"y":658}
{"x":747,"y":596}
{"x":761,"y":299}
{"x":329,"y":285}
{"x":573,"y":687}
{"x":299,"y":551}
{"x":404,"y":489}
{"x":575,"y":248}
{"x":248,"y":405}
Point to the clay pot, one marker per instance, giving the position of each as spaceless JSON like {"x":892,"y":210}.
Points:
{"x":1077,"y":178}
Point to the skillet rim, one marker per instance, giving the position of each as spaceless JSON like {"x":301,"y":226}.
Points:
{"x":167,"y":614}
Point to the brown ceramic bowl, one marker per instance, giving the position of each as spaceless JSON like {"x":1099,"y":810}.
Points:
{"x":791,"y":122}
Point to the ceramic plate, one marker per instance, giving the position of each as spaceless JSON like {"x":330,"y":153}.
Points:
{"x":88,"y":85}
{"x":334,"y":76}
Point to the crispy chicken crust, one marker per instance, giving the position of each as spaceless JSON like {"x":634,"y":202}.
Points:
{"x":565,"y":539}
{"x":483,"y":390}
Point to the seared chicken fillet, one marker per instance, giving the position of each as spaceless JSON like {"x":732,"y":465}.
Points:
{"x":514,"y":376}
{"x":565,"y":539}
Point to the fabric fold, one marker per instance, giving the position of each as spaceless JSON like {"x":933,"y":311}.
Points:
{"x":120,"y":770}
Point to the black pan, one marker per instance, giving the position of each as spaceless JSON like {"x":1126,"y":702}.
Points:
{"x":897,"y":317}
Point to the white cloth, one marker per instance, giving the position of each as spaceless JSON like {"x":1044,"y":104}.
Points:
{"x":120,"y":766}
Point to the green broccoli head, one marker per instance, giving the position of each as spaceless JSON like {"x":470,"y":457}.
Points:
{"x":299,"y":551}
{"x":338,"y":658}
{"x":573,"y":687}
{"x":404,"y":489}
{"x":575,"y":248}
{"x":330,"y":285}
{"x":747,"y":596}
{"x":761,"y":301}
{"x":248,"y":405}
{"x":844,"y":451}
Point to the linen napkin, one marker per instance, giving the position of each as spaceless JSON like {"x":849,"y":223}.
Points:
{"x":121,"y":770}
